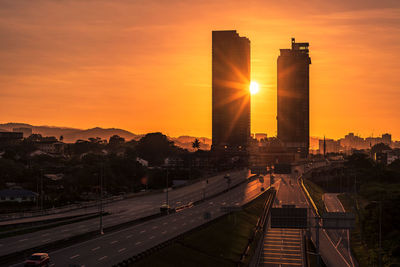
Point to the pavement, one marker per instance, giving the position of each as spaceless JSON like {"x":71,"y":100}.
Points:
{"x":122,"y":211}
{"x":284,"y":247}
{"x":334,"y":250}
{"x":114,"y":247}
{"x":339,"y":238}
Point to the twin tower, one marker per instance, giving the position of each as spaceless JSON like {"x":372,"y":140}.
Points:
{"x":231,"y":94}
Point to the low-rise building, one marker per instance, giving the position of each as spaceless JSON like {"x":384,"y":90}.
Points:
{"x":17,"y":195}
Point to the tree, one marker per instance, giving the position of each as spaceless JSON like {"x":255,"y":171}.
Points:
{"x":155,"y":148}
{"x":116,"y":140}
{"x":379,"y":148}
{"x":196,"y":144}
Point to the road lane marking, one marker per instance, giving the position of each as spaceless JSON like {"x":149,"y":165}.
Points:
{"x":129,"y":236}
{"x":122,"y":249}
{"x":46,"y":234}
{"x":138,"y":243}
{"x":102,"y":258}
{"x":94,"y":249}
{"x":164,"y":232}
{"x":151,"y":237}
{"x":113,"y":242}
{"x":144,"y":231}
{"x":47,"y":240}
{"x":75,"y":256}
{"x":65,"y":230}
{"x":155,"y":227}
{"x":23,"y":239}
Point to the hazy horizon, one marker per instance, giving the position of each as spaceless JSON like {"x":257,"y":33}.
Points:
{"x":146,"y":67}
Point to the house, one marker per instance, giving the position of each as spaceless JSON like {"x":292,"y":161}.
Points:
{"x":17,"y":195}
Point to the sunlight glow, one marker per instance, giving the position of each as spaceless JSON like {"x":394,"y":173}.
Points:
{"x":254,"y":88}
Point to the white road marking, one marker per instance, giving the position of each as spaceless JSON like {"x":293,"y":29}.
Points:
{"x":164,"y":232}
{"x":129,"y":236}
{"x":113,"y":242}
{"x":144,"y":231}
{"x":151,"y":237}
{"x":138,"y":243}
{"x":23,"y":239}
{"x":46,"y":234}
{"x":122,"y":249}
{"x":94,"y":249}
{"x":47,"y":240}
{"x":102,"y":258}
{"x":75,"y":256}
{"x":155,"y":227}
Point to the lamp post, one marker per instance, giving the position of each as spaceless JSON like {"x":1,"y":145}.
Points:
{"x":101,"y":200}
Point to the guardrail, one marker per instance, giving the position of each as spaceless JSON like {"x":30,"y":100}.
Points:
{"x":308,"y":196}
{"x":259,"y":230}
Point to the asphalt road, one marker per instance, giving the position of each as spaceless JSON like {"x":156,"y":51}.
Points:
{"x":116,"y":246}
{"x":339,"y":238}
{"x":289,"y":192}
{"x":121,"y":211}
{"x":284,"y":247}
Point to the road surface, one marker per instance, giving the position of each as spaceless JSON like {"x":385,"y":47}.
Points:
{"x":117,"y":246}
{"x":122,"y":211}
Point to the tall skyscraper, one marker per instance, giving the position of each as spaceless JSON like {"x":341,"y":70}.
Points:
{"x":230,"y":91}
{"x":293,"y":98}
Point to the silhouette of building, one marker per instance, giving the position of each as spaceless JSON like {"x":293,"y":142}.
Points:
{"x":230,"y":91}
{"x":26,"y":132}
{"x":293,"y":98}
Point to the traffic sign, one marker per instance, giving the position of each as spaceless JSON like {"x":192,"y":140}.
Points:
{"x":338,"y":220}
{"x":289,"y":217}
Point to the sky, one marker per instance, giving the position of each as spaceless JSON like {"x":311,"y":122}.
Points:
{"x":145,"y":65}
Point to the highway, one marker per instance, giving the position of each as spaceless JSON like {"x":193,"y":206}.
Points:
{"x":333,"y":252}
{"x":340,"y":238}
{"x":113,"y":247}
{"x":330,"y":254}
{"x":122,"y":211}
{"x":284,"y":247}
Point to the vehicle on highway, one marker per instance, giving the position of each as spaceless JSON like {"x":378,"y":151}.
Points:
{"x":227,"y":176}
{"x":165,"y":208}
{"x":38,"y":259}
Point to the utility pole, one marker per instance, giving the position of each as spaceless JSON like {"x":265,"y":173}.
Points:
{"x":166,"y":191}
{"x":41,"y":189}
{"x":380,"y":232}
{"x":101,"y":200}
{"x":317,"y":240}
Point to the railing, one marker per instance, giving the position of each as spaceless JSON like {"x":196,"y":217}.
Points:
{"x":259,"y":230}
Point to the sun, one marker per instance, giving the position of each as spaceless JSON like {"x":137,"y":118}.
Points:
{"x":254,"y":88}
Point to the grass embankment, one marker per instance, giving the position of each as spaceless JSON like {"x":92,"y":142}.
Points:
{"x":316,"y":194}
{"x":359,"y":250}
{"x":221,"y":243}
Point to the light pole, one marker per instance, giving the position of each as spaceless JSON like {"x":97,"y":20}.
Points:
{"x":101,"y":200}
{"x":166,"y":191}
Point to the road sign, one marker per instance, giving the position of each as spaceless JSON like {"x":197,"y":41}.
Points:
{"x":289,"y":218}
{"x":338,"y":220}
{"x":259,"y":170}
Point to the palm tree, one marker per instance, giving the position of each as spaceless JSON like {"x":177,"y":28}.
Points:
{"x":196,"y":144}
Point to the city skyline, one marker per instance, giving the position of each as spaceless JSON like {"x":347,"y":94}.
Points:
{"x":66,"y":74}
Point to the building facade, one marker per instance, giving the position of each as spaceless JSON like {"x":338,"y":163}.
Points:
{"x":293,"y":98}
{"x":230,"y":91}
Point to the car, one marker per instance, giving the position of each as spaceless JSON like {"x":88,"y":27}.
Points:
{"x":165,"y":208}
{"x":37,"y":259}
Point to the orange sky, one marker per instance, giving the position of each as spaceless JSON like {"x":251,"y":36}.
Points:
{"x":146,"y":65}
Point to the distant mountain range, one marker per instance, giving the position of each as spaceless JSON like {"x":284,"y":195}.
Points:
{"x":72,"y":134}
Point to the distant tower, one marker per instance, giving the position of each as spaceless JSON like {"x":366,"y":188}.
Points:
{"x":293,"y":98}
{"x":324,"y":147}
{"x":230,"y":91}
